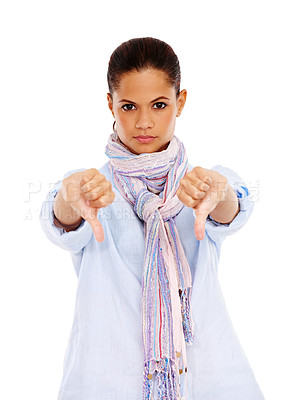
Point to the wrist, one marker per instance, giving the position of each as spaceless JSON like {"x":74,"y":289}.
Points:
{"x":67,"y":227}
{"x":227,"y":209}
{"x":64,"y":215}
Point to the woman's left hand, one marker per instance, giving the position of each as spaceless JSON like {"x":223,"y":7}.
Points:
{"x":202,"y":189}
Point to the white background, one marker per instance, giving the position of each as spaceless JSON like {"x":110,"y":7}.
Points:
{"x":54,"y":118}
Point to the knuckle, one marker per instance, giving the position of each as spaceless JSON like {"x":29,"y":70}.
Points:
{"x":196,"y":194}
{"x":197,"y":169}
{"x":183,"y":183}
{"x":93,"y":170}
{"x":203,"y":186}
{"x":190,"y":201}
{"x":86,"y":187}
{"x":107,"y":186}
{"x":91,"y":196}
{"x":100,"y":202}
{"x":201,"y":194}
{"x":110,"y":200}
{"x":190,"y":176}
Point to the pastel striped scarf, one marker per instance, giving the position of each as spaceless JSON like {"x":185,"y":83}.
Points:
{"x":166,"y":285}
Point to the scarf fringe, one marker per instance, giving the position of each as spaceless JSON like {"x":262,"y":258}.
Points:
{"x":167,"y":377}
{"x":187,"y":320}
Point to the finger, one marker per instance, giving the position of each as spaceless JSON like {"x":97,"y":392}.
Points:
{"x":102,"y":201}
{"x":186,"y":199}
{"x":101,"y":189}
{"x":88,"y":175}
{"x":201,"y":182}
{"x":194,"y":192}
{"x":203,"y":174}
{"x":199,"y":225}
{"x":95,"y":183}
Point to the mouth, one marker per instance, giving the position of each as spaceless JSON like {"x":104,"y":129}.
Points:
{"x":145,"y":138}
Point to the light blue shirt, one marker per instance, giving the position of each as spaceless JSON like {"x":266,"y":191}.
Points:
{"x":104,"y":356}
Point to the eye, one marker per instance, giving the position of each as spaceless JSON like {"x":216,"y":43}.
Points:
{"x":160,"y":105}
{"x":128,"y":107}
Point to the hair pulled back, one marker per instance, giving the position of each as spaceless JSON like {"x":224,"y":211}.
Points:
{"x":140,"y":54}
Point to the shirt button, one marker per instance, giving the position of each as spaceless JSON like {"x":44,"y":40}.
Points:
{"x":178,"y":354}
{"x":180,"y":371}
{"x":149,"y":376}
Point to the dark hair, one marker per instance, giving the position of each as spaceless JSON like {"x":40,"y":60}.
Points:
{"x":140,"y":54}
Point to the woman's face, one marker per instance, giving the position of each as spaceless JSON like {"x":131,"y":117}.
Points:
{"x":144,"y":105}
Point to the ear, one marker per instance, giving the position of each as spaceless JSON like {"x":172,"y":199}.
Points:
{"x":181,"y":101}
{"x":110,"y":103}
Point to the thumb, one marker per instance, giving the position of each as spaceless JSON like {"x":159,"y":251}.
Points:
{"x":97,"y":229}
{"x":199,"y":226}
{"x":90,"y":215}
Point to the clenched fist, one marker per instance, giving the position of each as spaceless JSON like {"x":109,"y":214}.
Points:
{"x":205,"y":190}
{"x":86,"y":192}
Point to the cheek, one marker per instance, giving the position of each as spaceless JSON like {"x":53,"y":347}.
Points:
{"x":123,"y":120}
{"x":169,"y":120}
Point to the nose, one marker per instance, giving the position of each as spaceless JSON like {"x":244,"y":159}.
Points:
{"x":144,"y":120}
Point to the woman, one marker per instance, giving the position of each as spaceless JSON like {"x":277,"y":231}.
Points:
{"x":145,"y":232}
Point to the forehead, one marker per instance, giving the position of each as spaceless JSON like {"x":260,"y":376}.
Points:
{"x":146,"y":84}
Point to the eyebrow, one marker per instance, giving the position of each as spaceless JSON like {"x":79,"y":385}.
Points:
{"x":153,"y":101}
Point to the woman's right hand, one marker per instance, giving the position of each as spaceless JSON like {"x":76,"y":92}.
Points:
{"x":86,"y":192}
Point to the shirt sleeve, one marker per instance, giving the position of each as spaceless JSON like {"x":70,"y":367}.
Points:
{"x":218,"y":231}
{"x":72,"y":241}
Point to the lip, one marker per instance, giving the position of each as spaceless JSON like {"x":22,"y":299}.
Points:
{"x":145,"y":138}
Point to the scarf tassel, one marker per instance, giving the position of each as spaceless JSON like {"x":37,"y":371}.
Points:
{"x":187,"y":320}
{"x":167,"y":378}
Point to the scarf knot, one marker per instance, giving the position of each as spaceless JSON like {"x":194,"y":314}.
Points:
{"x":146,"y":204}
